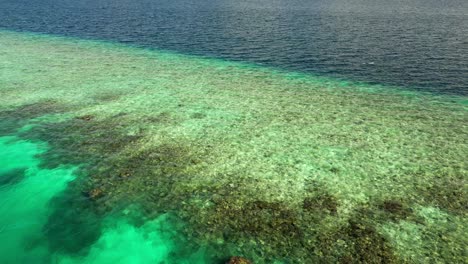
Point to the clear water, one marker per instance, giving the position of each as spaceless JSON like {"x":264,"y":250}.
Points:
{"x":417,"y":44}
{"x":112,"y":153}
{"x":27,"y":204}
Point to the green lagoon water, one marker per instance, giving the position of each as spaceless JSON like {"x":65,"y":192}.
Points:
{"x":115,"y":154}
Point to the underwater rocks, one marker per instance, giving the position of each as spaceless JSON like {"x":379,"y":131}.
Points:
{"x":238,"y":260}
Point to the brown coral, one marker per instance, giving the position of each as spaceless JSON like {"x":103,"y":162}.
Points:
{"x":238,"y":260}
{"x":95,"y":193}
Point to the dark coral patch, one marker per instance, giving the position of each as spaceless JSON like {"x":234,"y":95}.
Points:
{"x":85,"y":117}
{"x":448,"y":193}
{"x":162,"y":118}
{"x":369,"y":246}
{"x":13,"y":119}
{"x":77,"y":142}
{"x":108,"y":96}
{"x":94,"y":193}
{"x":356,"y":242}
{"x":259,"y":218}
{"x":321,"y":203}
{"x":198,"y":115}
{"x":396,"y":209}
{"x":275,"y":227}
{"x":29,"y":111}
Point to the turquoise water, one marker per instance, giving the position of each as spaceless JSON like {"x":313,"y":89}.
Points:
{"x":27,"y":192}
{"x":112,"y":153}
{"x":25,"y":201}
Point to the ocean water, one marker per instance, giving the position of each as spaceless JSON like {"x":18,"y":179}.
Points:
{"x":416,"y":44}
{"x":112,"y":153}
{"x":193,"y":131}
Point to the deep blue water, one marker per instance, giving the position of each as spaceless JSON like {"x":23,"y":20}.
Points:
{"x":419,"y":44}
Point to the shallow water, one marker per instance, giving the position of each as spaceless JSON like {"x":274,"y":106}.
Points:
{"x":417,"y":44}
{"x":27,"y":204}
{"x":113,"y":153}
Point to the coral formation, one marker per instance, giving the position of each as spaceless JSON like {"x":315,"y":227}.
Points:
{"x":238,"y":260}
{"x":250,"y":161}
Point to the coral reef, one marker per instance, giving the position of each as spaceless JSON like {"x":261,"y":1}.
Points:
{"x":250,"y":161}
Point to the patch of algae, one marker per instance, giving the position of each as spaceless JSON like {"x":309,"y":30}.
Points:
{"x":257,"y":162}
